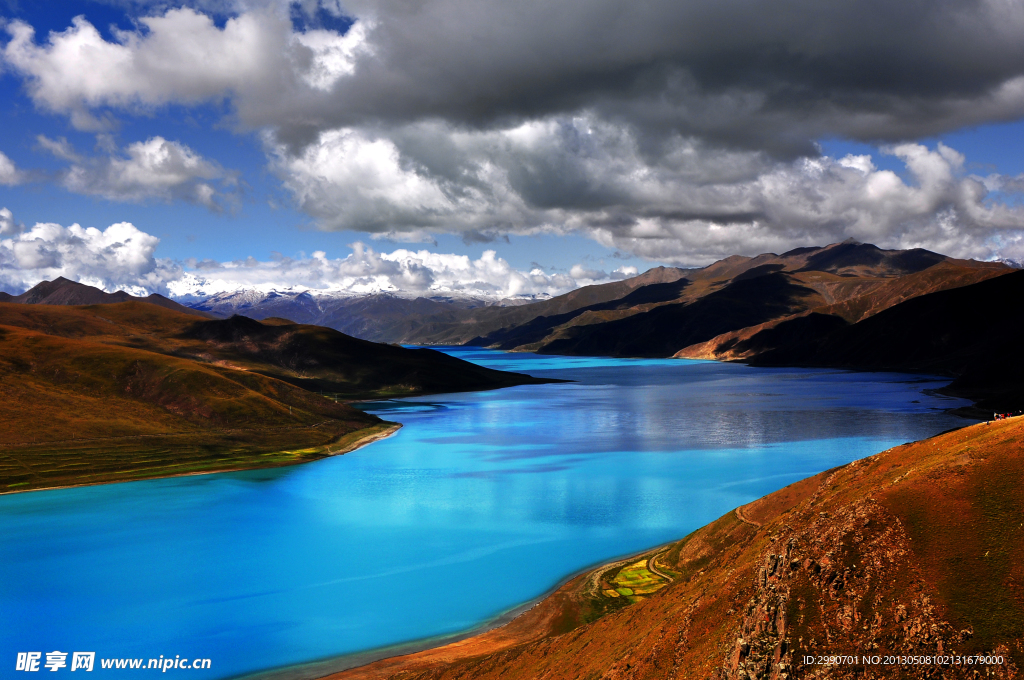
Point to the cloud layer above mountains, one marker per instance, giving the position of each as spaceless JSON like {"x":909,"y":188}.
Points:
{"x":121,"y":257}
{"x":680,"y":132}
{"x":118,"y":257}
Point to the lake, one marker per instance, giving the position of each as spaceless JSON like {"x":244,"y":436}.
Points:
{"x":481,"y":502}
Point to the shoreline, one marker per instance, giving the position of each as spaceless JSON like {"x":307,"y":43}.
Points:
{"x":312,"y":670}
{"x":387,"y":430}
{"x":445,"y":652}
{"x":341,"y":665}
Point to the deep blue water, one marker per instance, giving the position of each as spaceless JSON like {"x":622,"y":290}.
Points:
{"x":481,"y":502}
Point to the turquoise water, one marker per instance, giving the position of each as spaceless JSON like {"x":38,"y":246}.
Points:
{"x":481,"y":502}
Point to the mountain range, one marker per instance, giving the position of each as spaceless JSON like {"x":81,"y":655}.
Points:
{"x":848,"y":305}
{"x":432,"y":320}
{"x":660,"y":313}
{"x":740,"y":293}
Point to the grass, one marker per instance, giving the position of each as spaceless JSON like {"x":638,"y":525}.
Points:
{"x":130,"y":458}
{"x":633,"y":581}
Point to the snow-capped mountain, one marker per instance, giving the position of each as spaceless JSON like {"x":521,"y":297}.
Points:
{"x":381,"y":317}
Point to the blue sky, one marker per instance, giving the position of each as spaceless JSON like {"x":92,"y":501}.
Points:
{"x":281,"y":134}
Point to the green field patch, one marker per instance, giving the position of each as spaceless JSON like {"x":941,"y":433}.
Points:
{"x":640,"y":575}
{"x":635,"y":580}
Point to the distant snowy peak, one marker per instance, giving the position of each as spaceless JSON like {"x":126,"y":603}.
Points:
{"x":252,"y":296}
{"x":193,"y":287}
{"x":195,"y":290}
{"x":380,"y":317}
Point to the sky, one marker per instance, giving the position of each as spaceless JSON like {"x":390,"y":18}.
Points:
{"x":495,"y":149}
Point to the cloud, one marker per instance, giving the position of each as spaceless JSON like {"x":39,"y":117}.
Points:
{"x":8,"y":227}
{"x":122,"y":257}
{"x":181,"y":57}
{"x":9,"y":174}
{"x":409,"y":272}
{"x":255,"y":60}
{"x":688,"y":204}
{"x":156,"y":169}
{"x":59,"y":148}
{"x":740,"y":73}
{"x":934,"y":205}
{"x":118,"y":257}
{"x":680,"y":132}
{"x":350,"y":181}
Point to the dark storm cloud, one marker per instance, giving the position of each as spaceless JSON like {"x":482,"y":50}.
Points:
{"x":753,"y":74}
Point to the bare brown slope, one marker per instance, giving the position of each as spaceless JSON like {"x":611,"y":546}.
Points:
{"x":656,"y":322}
{"x":324,"y":359}
{"x":313,"y":357}
{"x":916,"y":551}
{"x":663,"y":330}
{"x":461,"y":326}
{"x":879,"y":295}
{"x":77,"y":411}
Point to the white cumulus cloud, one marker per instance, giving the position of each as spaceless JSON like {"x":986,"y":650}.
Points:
{"x":119,"y":257}
{"x":402,"y":271}
{"x":157,"y":169}
{"x":8,"y":227}
{"x":685,"y":203}
{"x":182,"y":56}
{"x":122,"y":257}
{"x":936,"y":205}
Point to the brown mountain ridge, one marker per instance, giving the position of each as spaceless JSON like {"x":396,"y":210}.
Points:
{"x":62,"y":291}
{"x":740,"y":293}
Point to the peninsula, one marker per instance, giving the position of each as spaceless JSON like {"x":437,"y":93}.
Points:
{"x":129,"y":389}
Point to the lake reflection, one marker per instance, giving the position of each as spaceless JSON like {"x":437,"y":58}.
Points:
{"x":481,"y":502}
